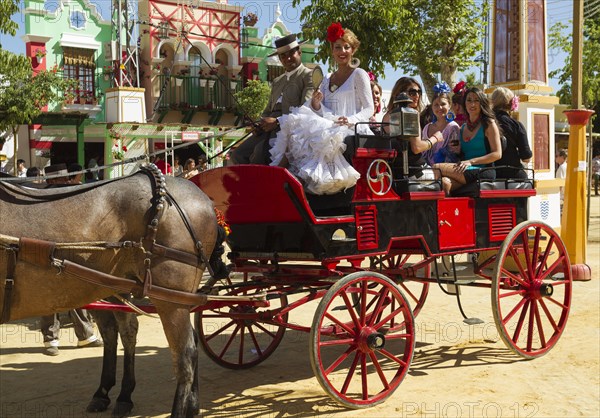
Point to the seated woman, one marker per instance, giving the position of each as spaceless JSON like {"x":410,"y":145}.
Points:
{"x":376,"y":93}
{"x":189,"y":169}
{"x":311,"y":140}
{"x":446,"y":151}
{"x":479,"y":143}
{"x":517,"y":146}
{"x":416,"y":161}
{"x":458,"y":98}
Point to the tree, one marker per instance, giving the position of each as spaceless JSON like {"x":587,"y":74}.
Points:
{"x":560,"y":40}
{"x":23,"y":94}
{"x":7,"y":9}
{"x":421,"y":37}
{"x":253,"y":98}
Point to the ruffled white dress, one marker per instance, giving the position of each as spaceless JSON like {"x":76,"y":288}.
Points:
{"x":314,"y":144}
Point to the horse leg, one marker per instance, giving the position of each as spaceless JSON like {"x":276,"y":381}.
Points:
{"x":128,"y":329}
{"x":108,"y":330}
{"x":184,"y":350}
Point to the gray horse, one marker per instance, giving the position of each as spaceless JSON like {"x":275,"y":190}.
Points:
{"x":138,"y":229}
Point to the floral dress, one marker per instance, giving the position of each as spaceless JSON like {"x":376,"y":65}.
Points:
{"x":314,"y":144}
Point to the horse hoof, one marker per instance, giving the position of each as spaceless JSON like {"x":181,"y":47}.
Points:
{"x":122,"y":409}
{"x":98,"y":405}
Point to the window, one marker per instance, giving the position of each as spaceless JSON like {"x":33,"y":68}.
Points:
{"x":77,"y":20}
{"x":79,"y":64}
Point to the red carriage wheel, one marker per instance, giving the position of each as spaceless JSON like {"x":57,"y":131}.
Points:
{"x":361,"y":354}
{"x":379,"y":177}
{"x":240,"y":337}
{"x":531,"y":289}
{"x":416,"y":292}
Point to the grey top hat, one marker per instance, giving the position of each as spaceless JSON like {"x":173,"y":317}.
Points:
{"x":56,"y":169}
{"x":285,"y":43}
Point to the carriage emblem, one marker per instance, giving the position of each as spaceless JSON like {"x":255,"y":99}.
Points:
{"x":379,"y":177}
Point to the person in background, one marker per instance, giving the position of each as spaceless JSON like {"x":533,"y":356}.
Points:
{"x":458,"y":99}
{"x":93,"y":163}
{"x":517,"y":149}
{"x":426,"y":115}
{"x":162,"y":165}
{"x":82,"y":322}
{"x":596,"y":172}
{"x":561,"y":171}
{"x":480,"y":145}
{"x":202,"y":163}
{"x":447,"y":150}
{"x":33,"y":172}
{"x":177,"y":168}
{"x":189,"y":169}
{"x":75,"y":178}
{"x":21,"y":169}
{"x":376,"y":92}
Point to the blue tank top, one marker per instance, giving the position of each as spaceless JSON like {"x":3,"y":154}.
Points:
{"x":475,"y":147}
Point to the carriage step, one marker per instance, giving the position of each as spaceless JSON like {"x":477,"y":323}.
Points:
{"x":472,"y":321}
{"x":463,"y":282}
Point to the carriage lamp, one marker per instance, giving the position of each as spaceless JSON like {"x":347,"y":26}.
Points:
{"x":404,"y":123}
{"x":404,"y":120}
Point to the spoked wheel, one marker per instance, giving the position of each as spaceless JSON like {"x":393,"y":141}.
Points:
{"x":361,"y":354}
{"x":415,"y":291}
{"x":240,"y":337}
{"x":531,"y":289}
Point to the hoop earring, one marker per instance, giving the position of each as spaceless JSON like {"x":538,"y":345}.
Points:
{"x":450,"y":116}
{"x":354,"y":63}
{"x":434,"y":119}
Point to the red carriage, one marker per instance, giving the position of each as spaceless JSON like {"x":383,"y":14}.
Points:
{"x":369,"y":254}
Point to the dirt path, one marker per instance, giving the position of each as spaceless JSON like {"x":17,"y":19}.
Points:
{"x":458,"y":370}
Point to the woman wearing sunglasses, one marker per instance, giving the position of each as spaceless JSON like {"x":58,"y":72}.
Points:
{"x":416,"y":162}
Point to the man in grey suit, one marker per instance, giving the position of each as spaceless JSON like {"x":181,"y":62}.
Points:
{"x":290,"y":89}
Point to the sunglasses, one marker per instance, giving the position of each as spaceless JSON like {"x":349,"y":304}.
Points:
{"x":414,"y":92}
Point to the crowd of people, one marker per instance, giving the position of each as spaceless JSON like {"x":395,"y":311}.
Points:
{"x":465,"y":135}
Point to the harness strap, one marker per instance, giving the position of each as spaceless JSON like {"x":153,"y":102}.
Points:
{"x":9,"y":282}
{"x":114,"y":282}
{"x":36,"y":251}
{"x":177,"y":255}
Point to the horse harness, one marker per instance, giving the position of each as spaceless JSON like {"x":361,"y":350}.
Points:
{"x":41,"y":253}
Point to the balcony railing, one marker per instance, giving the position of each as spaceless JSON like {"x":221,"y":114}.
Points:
{"x":186,"y":92}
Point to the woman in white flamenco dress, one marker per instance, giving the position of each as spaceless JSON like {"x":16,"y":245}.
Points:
{"x":311,"y":140}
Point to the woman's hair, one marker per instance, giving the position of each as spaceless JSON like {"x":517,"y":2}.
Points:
{"x":188,"y":162}
{"x":441,"y":95}
{"x":487,"y":115}
{"x":33,"y":172}
{"x":402,"y":85}
{"x":376,"y":84}
{"x":458,"y":98}
{"x":351,"y":38}
{"x":501,"y":98}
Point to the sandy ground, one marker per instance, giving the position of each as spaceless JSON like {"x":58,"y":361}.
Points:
{"x":458,"y":370}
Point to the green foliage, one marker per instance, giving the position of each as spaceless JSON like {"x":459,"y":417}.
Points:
{"x":421,"y":37}
{"x":23,"y":94}
{"x":559,"y":40}
{"x":253,"y":98}
{"x":7,"y":9}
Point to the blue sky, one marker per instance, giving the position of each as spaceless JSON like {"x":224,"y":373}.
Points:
{"x":557,"y":10}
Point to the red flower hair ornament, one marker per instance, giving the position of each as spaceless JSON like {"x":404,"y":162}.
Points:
{"x":460,"y":87}
{"x":335,"y":32}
